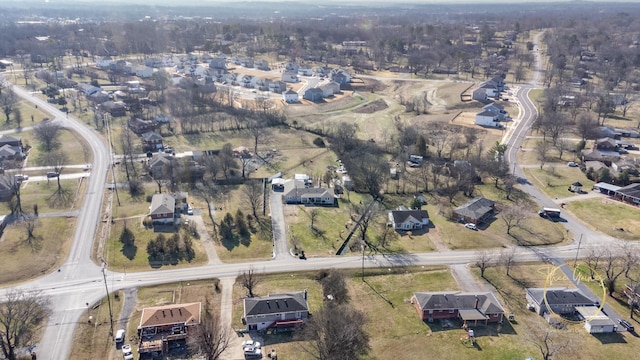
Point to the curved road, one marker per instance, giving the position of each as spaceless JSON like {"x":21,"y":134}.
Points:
{"x":80,"y":280}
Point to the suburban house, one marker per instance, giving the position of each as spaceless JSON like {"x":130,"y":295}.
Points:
{"x":279,"y":311}
{"x":598,"y":155}
{"x":161,"y":325}
{"x":290,"y":77}
{"x":219,"y":62}
{"x":484,"y":92}
{"x":556,"y":300}
{"x":629,"y":194}
{"x":404,"y":219}
{"x":476,"y":308}
{"x":305,"y":71}
{"x":88,"y":89}
{"x":330,"y":89}
{"x":11,"y":148}
{"x":151,"y":141}
{"x":487,"y":118}
{"x":277,"y":87}
{"x":313,"y":94}
{"x":596,"y":321}
{"x":296,"y":192}
{"x":290,"y":96}
{"x":606,"y":144}
{"x":116,"y":109}
{"x":6,"y":187}
{"x":340,"y":76}
{"x":497,"y":109}
{"x":142,"y":71}
{"x":162,"y":209}
{"x":160,"y":164}
{"x":475,"y":211}
{"x":141,"y":126}
{"x":262,"y":65}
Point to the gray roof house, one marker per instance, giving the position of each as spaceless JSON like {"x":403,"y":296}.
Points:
{"x":296,"y":192}
{"x":162,"y":208}
{"x":557,"y":300}
{"x":276,"y":311}
{"x":469,"y":307}
{"x":313,"y":94}
{"x":475,"y":211}
{"x":408,"y":219}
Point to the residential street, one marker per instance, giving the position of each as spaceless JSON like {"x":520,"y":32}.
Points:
{"x":80,"y":279}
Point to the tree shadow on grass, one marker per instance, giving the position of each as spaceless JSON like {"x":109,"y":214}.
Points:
{"x":60,"y":199}
{"x":129,"y":251}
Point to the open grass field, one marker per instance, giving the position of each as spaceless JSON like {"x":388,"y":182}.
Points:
{"x":556,"y":180}
{"x":607,"y":216}
{"x":43,"y":193}
{"x":23,"y":259}
{"x":75,"y":149}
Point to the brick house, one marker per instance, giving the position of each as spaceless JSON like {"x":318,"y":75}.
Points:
{"x":161,"y":325}
{"x":476,"y":308}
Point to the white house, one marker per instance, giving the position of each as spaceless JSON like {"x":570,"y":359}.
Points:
{"x":290,"y":77}
{"x":290,"y":96}
{"x":143,"y":71}
{"x":104,"y":62}
{"x":487,"y":118}
{"x":596,"y":322}
{"x":330,"y":89}
{"x":408,"y":219}
{"x":305,"y":71}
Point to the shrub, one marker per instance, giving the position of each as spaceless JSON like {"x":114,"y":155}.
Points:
{"x":319,"y":142}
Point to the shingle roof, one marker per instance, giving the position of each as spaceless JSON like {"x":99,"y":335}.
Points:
{"x":151,"y":136}
{"x":487,"y":302}
{"x":400,"y":216}
{"x":162,"y":204}
{"x":632,"y":190}
{"x":486,"y":113}
{"x":187,"y":314}
{"x":475,"y":208}
{"x":559,"y":296}
{"x":277,"y":303}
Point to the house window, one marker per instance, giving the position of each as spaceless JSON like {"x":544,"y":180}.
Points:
{"x":451,"y":311}
{"x":430,"y":311}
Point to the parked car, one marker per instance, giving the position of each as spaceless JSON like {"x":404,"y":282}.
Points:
{"x":52,"y":174}
{"x":189,"y":210}
{"x":126,"y":349}
{"x":20,"y":177}
{"x":572,"y":164}
{"x":627,"y":325}
{"x":119,"y":336}
{"x":471,"y":226}
{"x":128,"y":356}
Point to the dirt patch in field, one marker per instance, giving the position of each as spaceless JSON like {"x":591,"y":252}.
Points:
{"x":372,"y":107}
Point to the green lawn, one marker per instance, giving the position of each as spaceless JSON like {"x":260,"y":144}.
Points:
{"x":555,"y":181}
{"x":22,"y":259}
{"x":607,"y":216}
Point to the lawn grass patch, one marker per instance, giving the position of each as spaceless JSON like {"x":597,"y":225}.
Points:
{"x":23,"y":260}
{"x":608,"y":216}
{"x":555,"y":181}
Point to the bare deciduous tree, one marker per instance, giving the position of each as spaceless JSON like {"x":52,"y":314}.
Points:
{"x":313,"y":216}
{"x":21,"y":316}
{"x":336,"y":331}
{"x":47,"y":133}
{"x":542,"y":152}
{"x":253,"y":192}
{"x":8,"y":100}
{"x":549,"y":342}
{"x":507,"y":257}
{"x":212,"y":337}
{"x":513,"y":216}
{"x":250,"y":281}
{"x":483,"y":261}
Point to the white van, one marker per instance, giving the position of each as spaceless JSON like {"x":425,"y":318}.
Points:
{"x":119,"y":336}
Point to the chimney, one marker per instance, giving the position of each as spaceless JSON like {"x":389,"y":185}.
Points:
{"x":305,"y":294}
{"x":475,"y":305}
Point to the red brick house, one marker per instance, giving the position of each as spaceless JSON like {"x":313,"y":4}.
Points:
{"x":471,"y":308}
{"x":152,"y":141}
{"x":163,"y":208}
{"x":160,"y":325}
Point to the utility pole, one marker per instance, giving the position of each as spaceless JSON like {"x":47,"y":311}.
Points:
{"x":104,"y":274}
{"x":362,"y":261}
{"x":575,"y":262}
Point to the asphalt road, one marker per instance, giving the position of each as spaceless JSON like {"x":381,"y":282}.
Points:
{"x":80,"y":280}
